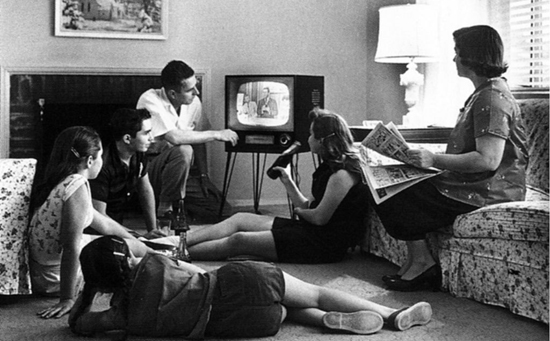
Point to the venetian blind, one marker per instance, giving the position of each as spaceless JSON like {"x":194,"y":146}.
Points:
{"x":525,"y":29}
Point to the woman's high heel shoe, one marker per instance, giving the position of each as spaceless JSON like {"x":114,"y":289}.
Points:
{"x":390,"y":278}
{"x":429,"y":279}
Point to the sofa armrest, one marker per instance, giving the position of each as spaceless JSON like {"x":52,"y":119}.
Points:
{"x":16,"y":178}
{"x":518,"y":220}
{"x":536,"y":194}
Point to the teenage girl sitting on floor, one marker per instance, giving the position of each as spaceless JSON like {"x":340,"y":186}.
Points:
{"x":329,"y":223}
{"x":62,"y":208}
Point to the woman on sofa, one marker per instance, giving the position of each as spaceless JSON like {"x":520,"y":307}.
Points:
{"x":159,"y":296}
{"x":484,"y":162}
{"x":329,"y":223}
{"x":62,"y":208}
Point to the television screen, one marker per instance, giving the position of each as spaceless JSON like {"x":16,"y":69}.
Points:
{"x":263,"y":104}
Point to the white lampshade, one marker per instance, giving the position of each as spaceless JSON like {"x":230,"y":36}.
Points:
{"x":407,"y":32}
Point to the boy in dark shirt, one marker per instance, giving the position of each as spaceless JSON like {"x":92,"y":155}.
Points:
{"x":124,"y":171}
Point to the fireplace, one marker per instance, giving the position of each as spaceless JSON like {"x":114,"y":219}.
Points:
{"x":44,"y":102}
{"x":42,"y":105}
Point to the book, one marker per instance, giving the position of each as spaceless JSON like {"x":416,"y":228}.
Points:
{"x":386,"y":180}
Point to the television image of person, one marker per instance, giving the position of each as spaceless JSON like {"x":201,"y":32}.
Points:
{"x":267,"y":106}
{"x":248,"y":109}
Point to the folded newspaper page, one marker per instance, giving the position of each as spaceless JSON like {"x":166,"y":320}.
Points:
{"x":388,"y":141}
{"x":385,"y":181}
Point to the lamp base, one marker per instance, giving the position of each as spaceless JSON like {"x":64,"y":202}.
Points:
{"x":412,"y":80}
{"x":413,"y":119}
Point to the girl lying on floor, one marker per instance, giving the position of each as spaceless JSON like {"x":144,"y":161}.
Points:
{"x":157,"y":296}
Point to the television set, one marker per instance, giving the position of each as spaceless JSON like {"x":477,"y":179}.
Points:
{"x":270,"y":112}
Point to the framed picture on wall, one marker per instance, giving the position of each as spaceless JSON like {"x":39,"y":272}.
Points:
{"x":119,"y":19}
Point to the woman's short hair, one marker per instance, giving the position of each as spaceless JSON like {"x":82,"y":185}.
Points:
{"x":481,"y":49}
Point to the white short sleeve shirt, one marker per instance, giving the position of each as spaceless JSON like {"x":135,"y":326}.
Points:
{"x":165,"y":118}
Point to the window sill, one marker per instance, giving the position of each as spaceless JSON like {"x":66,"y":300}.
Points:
{"x":523,"y":93}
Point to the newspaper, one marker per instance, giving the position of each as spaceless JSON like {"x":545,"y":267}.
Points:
{"x":385,"y":181}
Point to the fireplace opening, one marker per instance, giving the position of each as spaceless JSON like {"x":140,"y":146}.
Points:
{"x":59,"y":116}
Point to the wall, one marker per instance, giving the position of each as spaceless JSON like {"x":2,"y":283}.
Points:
{"x":442,"y":103}
{"x":385,"y":97}
{"x":320,"y":37}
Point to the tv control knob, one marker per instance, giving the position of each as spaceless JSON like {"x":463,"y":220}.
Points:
{"x":284,"y":140}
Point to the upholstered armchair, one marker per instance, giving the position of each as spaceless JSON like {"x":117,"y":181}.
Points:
{"x":497,"y":254}
{"x":16,"y":179}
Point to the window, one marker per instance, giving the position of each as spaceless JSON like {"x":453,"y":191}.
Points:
{"x":525,"y":29}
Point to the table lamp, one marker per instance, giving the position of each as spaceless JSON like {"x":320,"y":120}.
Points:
{"x":408,"y":34}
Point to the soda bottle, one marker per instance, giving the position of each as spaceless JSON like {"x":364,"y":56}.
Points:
{"x":181,"y":229}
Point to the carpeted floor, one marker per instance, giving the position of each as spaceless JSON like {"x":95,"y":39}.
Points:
{"x":453,"y":318}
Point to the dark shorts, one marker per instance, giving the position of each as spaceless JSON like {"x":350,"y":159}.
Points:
{"x":247,"y":300}
{"x":295,"y":242}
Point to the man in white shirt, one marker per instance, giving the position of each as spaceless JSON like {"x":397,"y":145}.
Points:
{"x":176,"y":122}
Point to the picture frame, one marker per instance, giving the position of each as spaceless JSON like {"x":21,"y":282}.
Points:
{"x":115,"y":19}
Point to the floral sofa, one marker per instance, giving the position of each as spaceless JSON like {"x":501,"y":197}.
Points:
{"x":497,"y":254}
{"x":16,"y":178}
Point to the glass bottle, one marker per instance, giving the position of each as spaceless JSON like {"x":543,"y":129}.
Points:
{"x":181,"y":228}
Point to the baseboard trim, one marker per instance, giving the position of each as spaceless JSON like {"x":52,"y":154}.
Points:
{"x":250,"y":202}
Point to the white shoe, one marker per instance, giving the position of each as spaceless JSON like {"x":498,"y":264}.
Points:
{"x":418,"y":314}
{"x":360,"y":322}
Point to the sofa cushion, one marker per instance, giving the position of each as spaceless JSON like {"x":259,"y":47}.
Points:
{"x":520,"y":220}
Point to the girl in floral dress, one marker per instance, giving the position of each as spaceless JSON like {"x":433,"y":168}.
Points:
{"x":62,"y":208}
